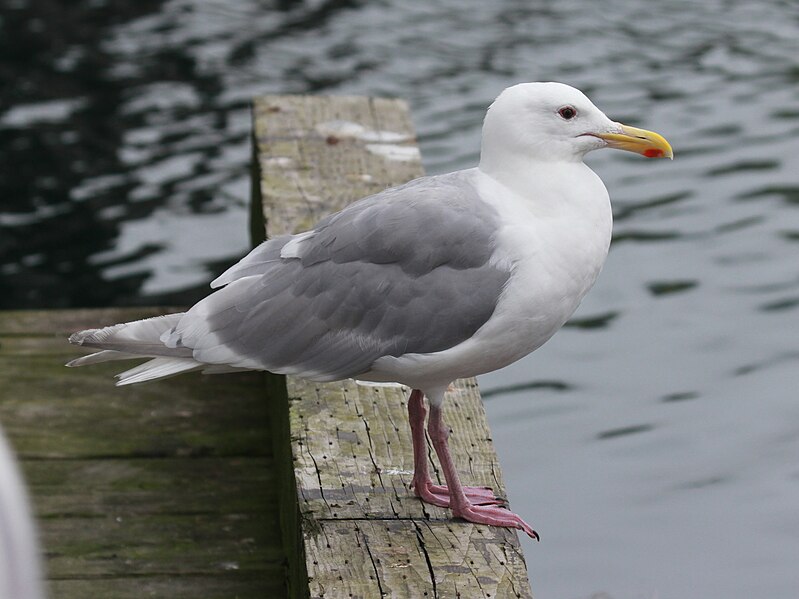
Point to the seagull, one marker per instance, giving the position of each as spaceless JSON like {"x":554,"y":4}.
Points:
{"x":445,"y":277}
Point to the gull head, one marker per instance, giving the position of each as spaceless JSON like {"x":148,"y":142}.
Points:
{"x":556,"y":122}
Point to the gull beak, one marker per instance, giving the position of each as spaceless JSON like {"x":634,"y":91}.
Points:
{"x":640,"y":141}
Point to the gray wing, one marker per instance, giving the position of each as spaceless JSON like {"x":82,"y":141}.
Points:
{"x":407,"y":270}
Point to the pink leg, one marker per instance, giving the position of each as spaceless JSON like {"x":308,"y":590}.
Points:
{"x":459,"y":502}
{"x":422,"y":483}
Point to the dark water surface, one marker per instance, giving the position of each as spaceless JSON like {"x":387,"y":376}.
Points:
{"x":654,"y":443}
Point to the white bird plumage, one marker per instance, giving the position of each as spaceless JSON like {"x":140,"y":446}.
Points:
{"x":453,"y":276}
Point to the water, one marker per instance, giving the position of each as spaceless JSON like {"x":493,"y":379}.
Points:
{"x":654,"y":443}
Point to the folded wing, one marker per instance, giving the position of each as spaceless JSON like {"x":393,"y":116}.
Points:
{"x":408,"y":270}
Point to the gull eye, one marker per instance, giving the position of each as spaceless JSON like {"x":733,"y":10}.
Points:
{"x":567,"y":112}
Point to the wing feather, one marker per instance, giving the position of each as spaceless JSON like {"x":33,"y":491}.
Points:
{"x":408,"y":270}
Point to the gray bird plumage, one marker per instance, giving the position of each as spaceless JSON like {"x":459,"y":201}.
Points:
{"x":357,"y":288}
{"x":380,"y":278}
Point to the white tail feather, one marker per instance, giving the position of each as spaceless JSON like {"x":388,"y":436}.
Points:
{"x":142,"y":337}
{"x":139,"y":339}
{"x":107,"y":355}
{"x":156,"y":368}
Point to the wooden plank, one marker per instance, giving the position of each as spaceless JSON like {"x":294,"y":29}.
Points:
{"x":363,"y":466}
{"x":134,"y":486}
{"x":162,"y":544}
{"x":313,"y":163}
{"x":51,"y":411}
{"x":61,"y":323}
{"x":351,"y":447}
{"x":162,"y":490}
{"x":265,"y":585}
{"x":415,"y":558}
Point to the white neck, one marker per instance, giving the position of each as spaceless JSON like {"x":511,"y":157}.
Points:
{"x":551,"y":180}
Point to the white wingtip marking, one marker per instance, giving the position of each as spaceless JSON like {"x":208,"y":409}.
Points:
{"x":107,"y":355}
{"x":292,"y":248}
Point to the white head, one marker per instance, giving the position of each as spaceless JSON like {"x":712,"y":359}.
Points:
{"x":556,"y":122}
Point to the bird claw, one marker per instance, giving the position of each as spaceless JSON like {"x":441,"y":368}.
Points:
{"x":494,"y":516}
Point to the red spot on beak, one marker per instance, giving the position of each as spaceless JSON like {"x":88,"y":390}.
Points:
{"x":653,"y":153}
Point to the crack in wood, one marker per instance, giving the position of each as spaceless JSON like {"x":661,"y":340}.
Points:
{"x":319,"y":478}
{"x":423,"y":547}
{"x":374,"y":565}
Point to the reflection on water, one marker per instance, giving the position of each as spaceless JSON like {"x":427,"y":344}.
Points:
{"x":654,"y":441}
{"x":122,"y":178}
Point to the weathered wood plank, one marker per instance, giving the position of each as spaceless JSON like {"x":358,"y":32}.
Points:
{"x":265,"y":585}
{"x":163,"y":490}
{"x":313,"y":159}
{"x":60,"y":323}
{"x":415,"y":558}
{"x":351,"y":447}
{"x":51,"y":411}
{"x":90,"y":488}
{"x":365,"y":459}
{"x":159,"y":544}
